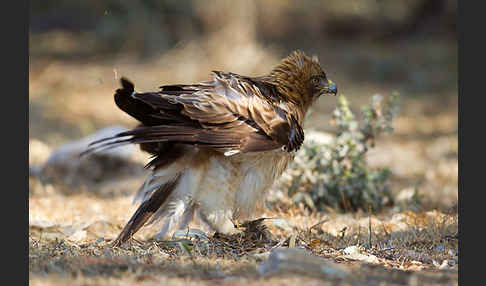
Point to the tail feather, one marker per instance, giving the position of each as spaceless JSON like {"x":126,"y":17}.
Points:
{"x":145,"y":211}
{"x":136,"y":108}
{"x":222,"y":140}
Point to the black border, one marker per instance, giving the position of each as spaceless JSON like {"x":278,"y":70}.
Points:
{"x":15,"y":140}
{"x":471,"y":62}
{"x":460,"y":83}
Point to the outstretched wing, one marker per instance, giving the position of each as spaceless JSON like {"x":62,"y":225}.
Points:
{"x":231,"y":114}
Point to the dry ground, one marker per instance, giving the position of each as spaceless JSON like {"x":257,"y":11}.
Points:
{"x":70,"y":231}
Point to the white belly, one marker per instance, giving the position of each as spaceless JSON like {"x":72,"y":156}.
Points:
{"x":238,"y":183}
{"x":219,"y":188}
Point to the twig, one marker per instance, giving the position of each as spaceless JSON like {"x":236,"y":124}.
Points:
{"x":343,"y":231}
{"x":384,"y":229}
{"x":369,"y":217}
{"x":317,"y":224}
{"x":282,"y":241}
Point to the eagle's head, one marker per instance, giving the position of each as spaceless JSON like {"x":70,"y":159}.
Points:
{"x":301,"y":79}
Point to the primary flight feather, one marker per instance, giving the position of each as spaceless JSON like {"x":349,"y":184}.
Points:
{"x":218,"y":145}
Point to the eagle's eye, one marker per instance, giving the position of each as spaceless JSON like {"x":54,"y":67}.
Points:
{"x":315,"y":80}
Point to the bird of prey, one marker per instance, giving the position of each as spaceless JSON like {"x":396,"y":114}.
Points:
{"x":217,"y":145}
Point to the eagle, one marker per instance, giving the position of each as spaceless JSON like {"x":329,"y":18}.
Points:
{"x":217,"y":146}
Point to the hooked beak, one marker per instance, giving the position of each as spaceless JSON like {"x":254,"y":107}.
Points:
{"x":329,"y":88}
{"x":332,"y":88}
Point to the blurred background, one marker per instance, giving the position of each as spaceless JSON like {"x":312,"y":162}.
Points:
{"x":80,"y":49}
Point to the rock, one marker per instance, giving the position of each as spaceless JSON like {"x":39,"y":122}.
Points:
{"x":75,"y":148}
{"x":352,"y":252}
{"x":295,"y":260}
{"x":77,"y":236}
{"x":282,"y":224}
{"x":446,"y":264}
{"x":38,"y":152}
{"x":65,"y":165}
{"x":405,"y":195}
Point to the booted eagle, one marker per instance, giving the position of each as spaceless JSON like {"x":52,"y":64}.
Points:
{"x":217,"y":145}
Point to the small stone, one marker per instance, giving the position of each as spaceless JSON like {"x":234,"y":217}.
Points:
{"x":444,"y":265}
{"x":282,"y":224}
{"x":291,"y":260}
{"x":352,"y":252}
{"x":77,"y":236}
{"x":190,"y":233}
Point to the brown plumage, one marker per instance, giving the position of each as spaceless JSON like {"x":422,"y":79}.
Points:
{"x":217,"y":145}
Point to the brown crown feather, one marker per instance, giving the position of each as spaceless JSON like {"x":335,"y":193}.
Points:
{"x":292,"y":77}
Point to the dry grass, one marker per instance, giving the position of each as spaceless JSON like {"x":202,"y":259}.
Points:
{"x":70,"y":239}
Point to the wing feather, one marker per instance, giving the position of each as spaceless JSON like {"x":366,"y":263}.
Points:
{"x":230,"y":113}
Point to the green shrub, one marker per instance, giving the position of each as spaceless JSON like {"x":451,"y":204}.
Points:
{"x":336,"y":174}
